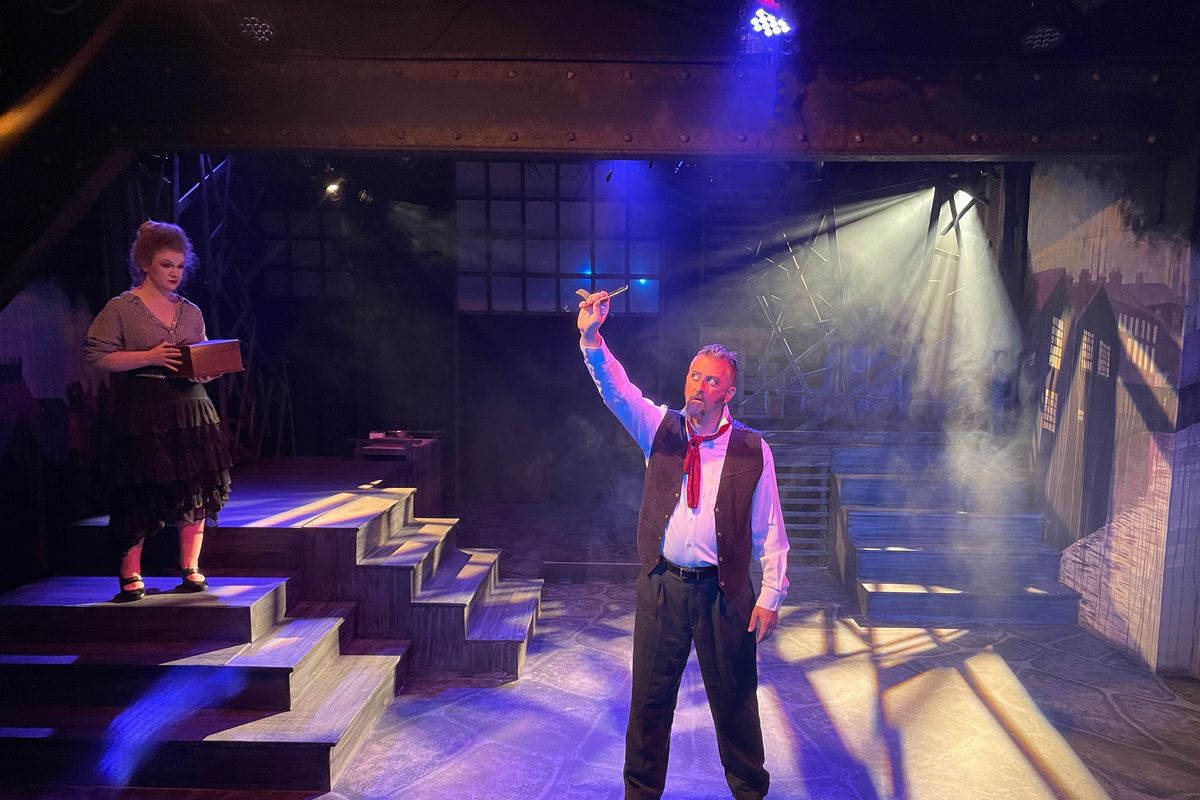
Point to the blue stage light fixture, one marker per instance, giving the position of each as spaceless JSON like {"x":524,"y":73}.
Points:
{"x":768,"y":24}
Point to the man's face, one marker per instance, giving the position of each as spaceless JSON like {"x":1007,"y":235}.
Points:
{"x":708,"y":387}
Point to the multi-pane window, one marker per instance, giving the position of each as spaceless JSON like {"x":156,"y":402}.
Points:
{"x":1087,"y":350}
{"x":301,"y":255}
{"x":1104,"y":360}
{"x":530,"y":235}
{"x":1058,"y":335}
{"x":1050,"y":410}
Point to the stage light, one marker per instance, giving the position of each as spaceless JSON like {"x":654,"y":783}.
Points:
{"x":257,"y":29}
{"x":768,"y":24}
{"x":1042,"y":38}
{"x":334,"y":190}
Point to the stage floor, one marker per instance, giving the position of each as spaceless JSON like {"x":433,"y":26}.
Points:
{"x":1021,"y":712}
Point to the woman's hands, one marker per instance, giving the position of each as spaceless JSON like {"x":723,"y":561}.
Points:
{"x":163,"y":355}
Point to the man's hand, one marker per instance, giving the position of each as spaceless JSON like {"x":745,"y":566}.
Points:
{"x":593,"y":310}
{"x":763,"y":623}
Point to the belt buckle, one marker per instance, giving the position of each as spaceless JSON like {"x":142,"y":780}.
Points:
{"x":689,"y":573}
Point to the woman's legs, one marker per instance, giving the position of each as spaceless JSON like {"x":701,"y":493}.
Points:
{"x":131,"y":564}
{"x":191,"y":538}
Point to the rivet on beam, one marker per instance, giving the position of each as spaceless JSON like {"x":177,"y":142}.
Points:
{"x":570,"y":136}
{"x":628,"y":74}
{"x":226,"y":130}
{"x":741,"y":137}
{"x":456,"y":136}
{"x":1152,"y":139}
{"x":628,"y":137}
{"x":917,"y":138}
{"x":512,"y":137}
{"x":858,"y":138}
{"x":1095,"y":76}
{"x":453,"y":73}
{"x":978,"y":76}
{"x":1037,"y":76}
{"x":685,"y":75}
{"x":1036,"y":139}
{"x":283,"y":132}
{"x":570,"y":74}
{"x":1095,"y":138}
{"x":685,"y":138}
{"x":1155,"y":77}
{"x":341,"y":133}
{"x":512,"y":73}
{"x":399,"y":134}
{"x":976,"y":138}
{"x":803,"y":137}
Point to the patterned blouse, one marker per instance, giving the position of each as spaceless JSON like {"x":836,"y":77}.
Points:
{"x":125,"y":323}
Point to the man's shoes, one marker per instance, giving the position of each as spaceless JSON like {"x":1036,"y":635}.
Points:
{"x":129,"y":595}
{"x":190,"y":586}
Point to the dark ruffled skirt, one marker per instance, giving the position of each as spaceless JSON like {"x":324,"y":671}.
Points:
{"x":170,"y":459}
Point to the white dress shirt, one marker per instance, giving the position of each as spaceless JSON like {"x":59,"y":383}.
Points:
{"x":691,"y":539}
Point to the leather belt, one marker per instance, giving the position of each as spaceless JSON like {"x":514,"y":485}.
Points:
{"x":688,"y":573}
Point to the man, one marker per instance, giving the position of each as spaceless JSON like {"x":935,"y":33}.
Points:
{"x":710,"y":502}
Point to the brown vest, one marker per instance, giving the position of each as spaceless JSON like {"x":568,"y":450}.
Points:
{"x":735,"y":496}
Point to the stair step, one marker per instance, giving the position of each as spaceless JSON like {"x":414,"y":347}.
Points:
{"x":233,"y":610}
{"x":164,"y":741}
{"x":467,"y":575}
{"x":266,"y":674}
{"x":902,"y":492}
{"x":925,"y":528}
{"x":996,"y":565}
{"x":1047,"y":603}
{"x":421,"y":547}
{"x":502,"y":627}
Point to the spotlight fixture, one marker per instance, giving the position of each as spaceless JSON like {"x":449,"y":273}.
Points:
{"x":769,"y":24}
{"x":258,"y":30}
{"x":1045,"y":21}
{"x":1042,"y":38}
{"x":333,"y":182}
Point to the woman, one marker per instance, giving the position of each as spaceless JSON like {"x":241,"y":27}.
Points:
{"x":170,"y":458}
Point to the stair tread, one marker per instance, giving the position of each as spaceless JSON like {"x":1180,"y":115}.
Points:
{"x":344,"y":509}
{"x":1031,"y":589}
{"x":411,"y":546}
{"x":319,"y":717}
{"x":508,"y":612}
{"x":283,"y":646}
{"x":97,"y":592}
{"x":457,"y":580}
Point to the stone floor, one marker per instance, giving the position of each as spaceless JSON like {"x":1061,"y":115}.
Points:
{"x":849,"y":711}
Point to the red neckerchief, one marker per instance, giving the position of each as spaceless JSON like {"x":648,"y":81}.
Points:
{"x":691,"y":461}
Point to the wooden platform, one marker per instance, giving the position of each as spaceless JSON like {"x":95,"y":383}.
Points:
{"x":324,"y":590}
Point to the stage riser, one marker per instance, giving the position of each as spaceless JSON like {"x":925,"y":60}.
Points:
{"x":927,"y":609}
{"x":1022,"y":532}
{"x":200,"y":765}
{"x":124,"y":685}
{"x":991,"y":569}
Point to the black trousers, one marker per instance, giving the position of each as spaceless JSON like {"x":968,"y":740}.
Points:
{"x":672,"y":614}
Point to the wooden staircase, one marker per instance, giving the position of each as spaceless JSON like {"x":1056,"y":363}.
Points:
{"x":804,"y":496}
{"x":224,"y":689}
{"x":914,"y":543}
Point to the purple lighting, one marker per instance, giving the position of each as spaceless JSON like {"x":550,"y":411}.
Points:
{"x":768,"y":24}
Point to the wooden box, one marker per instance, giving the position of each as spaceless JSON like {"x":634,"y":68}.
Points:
{"x":213,"y":357}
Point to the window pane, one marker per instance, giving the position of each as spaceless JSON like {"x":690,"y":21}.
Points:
{"x":610,"y":219}
{"x":567,"y":299}
{"x":541,"y":255}
{"x":574,"y":180}
{"x":275,"y":283}
{"x":539,"y":217}
{"x":644,"y":219}
{"x":506,"y":216}
{"x":468,"y":177}
{"x":506,"y":294}
{"x":505,"y":179}
{"x":305,"y":223}
{"x":331,"y":253}
{"x":306,"y":253}
{"x":472,"y":255}
{"x":539,"y":294}
{"x":643,"y":258}
{"x":471,"y":215}
{"x":575,"y":256}
{"x":276,"y":252}
{"x":335,"y":223}
{"x":539,"y":180}
{"x":307,"y":283}
{"x":575,"y":218}
{"x":274,"y":223}
{"x":643,"y":296}
{"x":610,"y":257}
{"x":506,"y":255}
{"x":339,"y":284}
{"x":472,"y":294}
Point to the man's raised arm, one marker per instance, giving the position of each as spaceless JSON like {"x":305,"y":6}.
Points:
{"x":639,"y":416}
